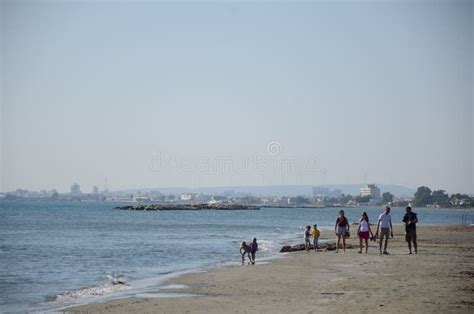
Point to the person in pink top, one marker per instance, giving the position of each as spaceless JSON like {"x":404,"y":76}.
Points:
{"x":364,"y":232}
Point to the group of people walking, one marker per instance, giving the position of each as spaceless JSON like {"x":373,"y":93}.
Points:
{"x":384,"y":230}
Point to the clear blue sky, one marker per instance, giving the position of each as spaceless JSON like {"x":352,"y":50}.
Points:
{"x":374,"y":90}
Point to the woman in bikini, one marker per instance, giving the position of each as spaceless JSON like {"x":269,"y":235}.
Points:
{"x":341,"y":229}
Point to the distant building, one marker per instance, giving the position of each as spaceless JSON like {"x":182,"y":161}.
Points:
{"x":187,"y":196}
{"x":324,"y":191}
{"x":370,"y":190}
{"x":118,"y":199}
{"x":460,"y":200}
{"x":75,"y":189}
{"x":140,"y":198}
{"x":95,"y":190}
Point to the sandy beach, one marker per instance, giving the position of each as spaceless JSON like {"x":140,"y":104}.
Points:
{"x":439,"y":279}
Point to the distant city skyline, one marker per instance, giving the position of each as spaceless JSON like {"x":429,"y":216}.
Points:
{"x":159,"y":94}
{"x":262,"y":190}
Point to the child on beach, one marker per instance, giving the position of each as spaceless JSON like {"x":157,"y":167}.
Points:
{"x":307,"y":242}
{"x":245,"y":249}
{"x":315,"y":234}
{"x":253,"y":249}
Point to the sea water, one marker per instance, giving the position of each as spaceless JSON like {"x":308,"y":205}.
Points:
{"x":55,"y":254}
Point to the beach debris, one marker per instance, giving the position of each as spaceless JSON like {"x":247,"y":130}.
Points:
{"x":321,"y":247}
{"x":468,"y":273}
{"x":332,"y":293}
{"x":119,"y":282}
{"x":116,"y":279}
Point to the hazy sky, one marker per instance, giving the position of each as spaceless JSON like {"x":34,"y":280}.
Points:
{"x":370,"y":91}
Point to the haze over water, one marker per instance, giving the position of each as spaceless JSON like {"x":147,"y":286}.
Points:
{"x":375,"y":91}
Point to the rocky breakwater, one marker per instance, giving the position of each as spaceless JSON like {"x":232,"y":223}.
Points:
{"x":158,"y":207}
{"x":321,"y":247}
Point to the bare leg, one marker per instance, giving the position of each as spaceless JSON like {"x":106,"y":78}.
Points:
{"x":380,"y":243}
{"x":416,"y":246}
{"x":409,"y":246}
{"x":385,"y":244}
{"x":344,"y":243}
{"x":243,"y":259}
{"x":338,"y":242}
{"x":360,"y":245}
{"x":366,"y":245}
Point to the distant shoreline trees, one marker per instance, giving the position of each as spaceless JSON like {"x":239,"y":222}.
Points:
{"x":387,"y":197}
{"x":425,"y":197}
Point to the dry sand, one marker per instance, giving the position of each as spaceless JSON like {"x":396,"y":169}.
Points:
{"x":439,"y":279}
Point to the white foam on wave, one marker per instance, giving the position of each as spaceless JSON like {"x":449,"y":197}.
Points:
{"x":266,"y":246}
{"x":174,"y":286}
{"x":235,"y":262}
{"x":89,"y":292}
{"x":146,"y":287}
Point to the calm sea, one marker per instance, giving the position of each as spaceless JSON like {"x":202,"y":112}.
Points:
{"x":55,"y":254}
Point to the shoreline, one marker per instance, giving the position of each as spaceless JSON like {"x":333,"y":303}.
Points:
{"x":314,"y":281}
{"x":327,"y":237}
{"x":159,"y":288}
{"x":163,"y":289}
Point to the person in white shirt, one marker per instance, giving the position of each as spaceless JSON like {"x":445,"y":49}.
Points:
{"x":386,"y":229}
{"x":364,"y":232}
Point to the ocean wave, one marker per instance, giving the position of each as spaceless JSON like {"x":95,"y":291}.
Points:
{"x":117,"y":283}
{"x":87,"y":292}
{"x":266,"y":245}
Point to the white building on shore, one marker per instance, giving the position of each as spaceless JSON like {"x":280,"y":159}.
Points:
{"x":370,"y":190}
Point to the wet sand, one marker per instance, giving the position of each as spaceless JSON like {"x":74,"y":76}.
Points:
{"x":439,"y":279}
